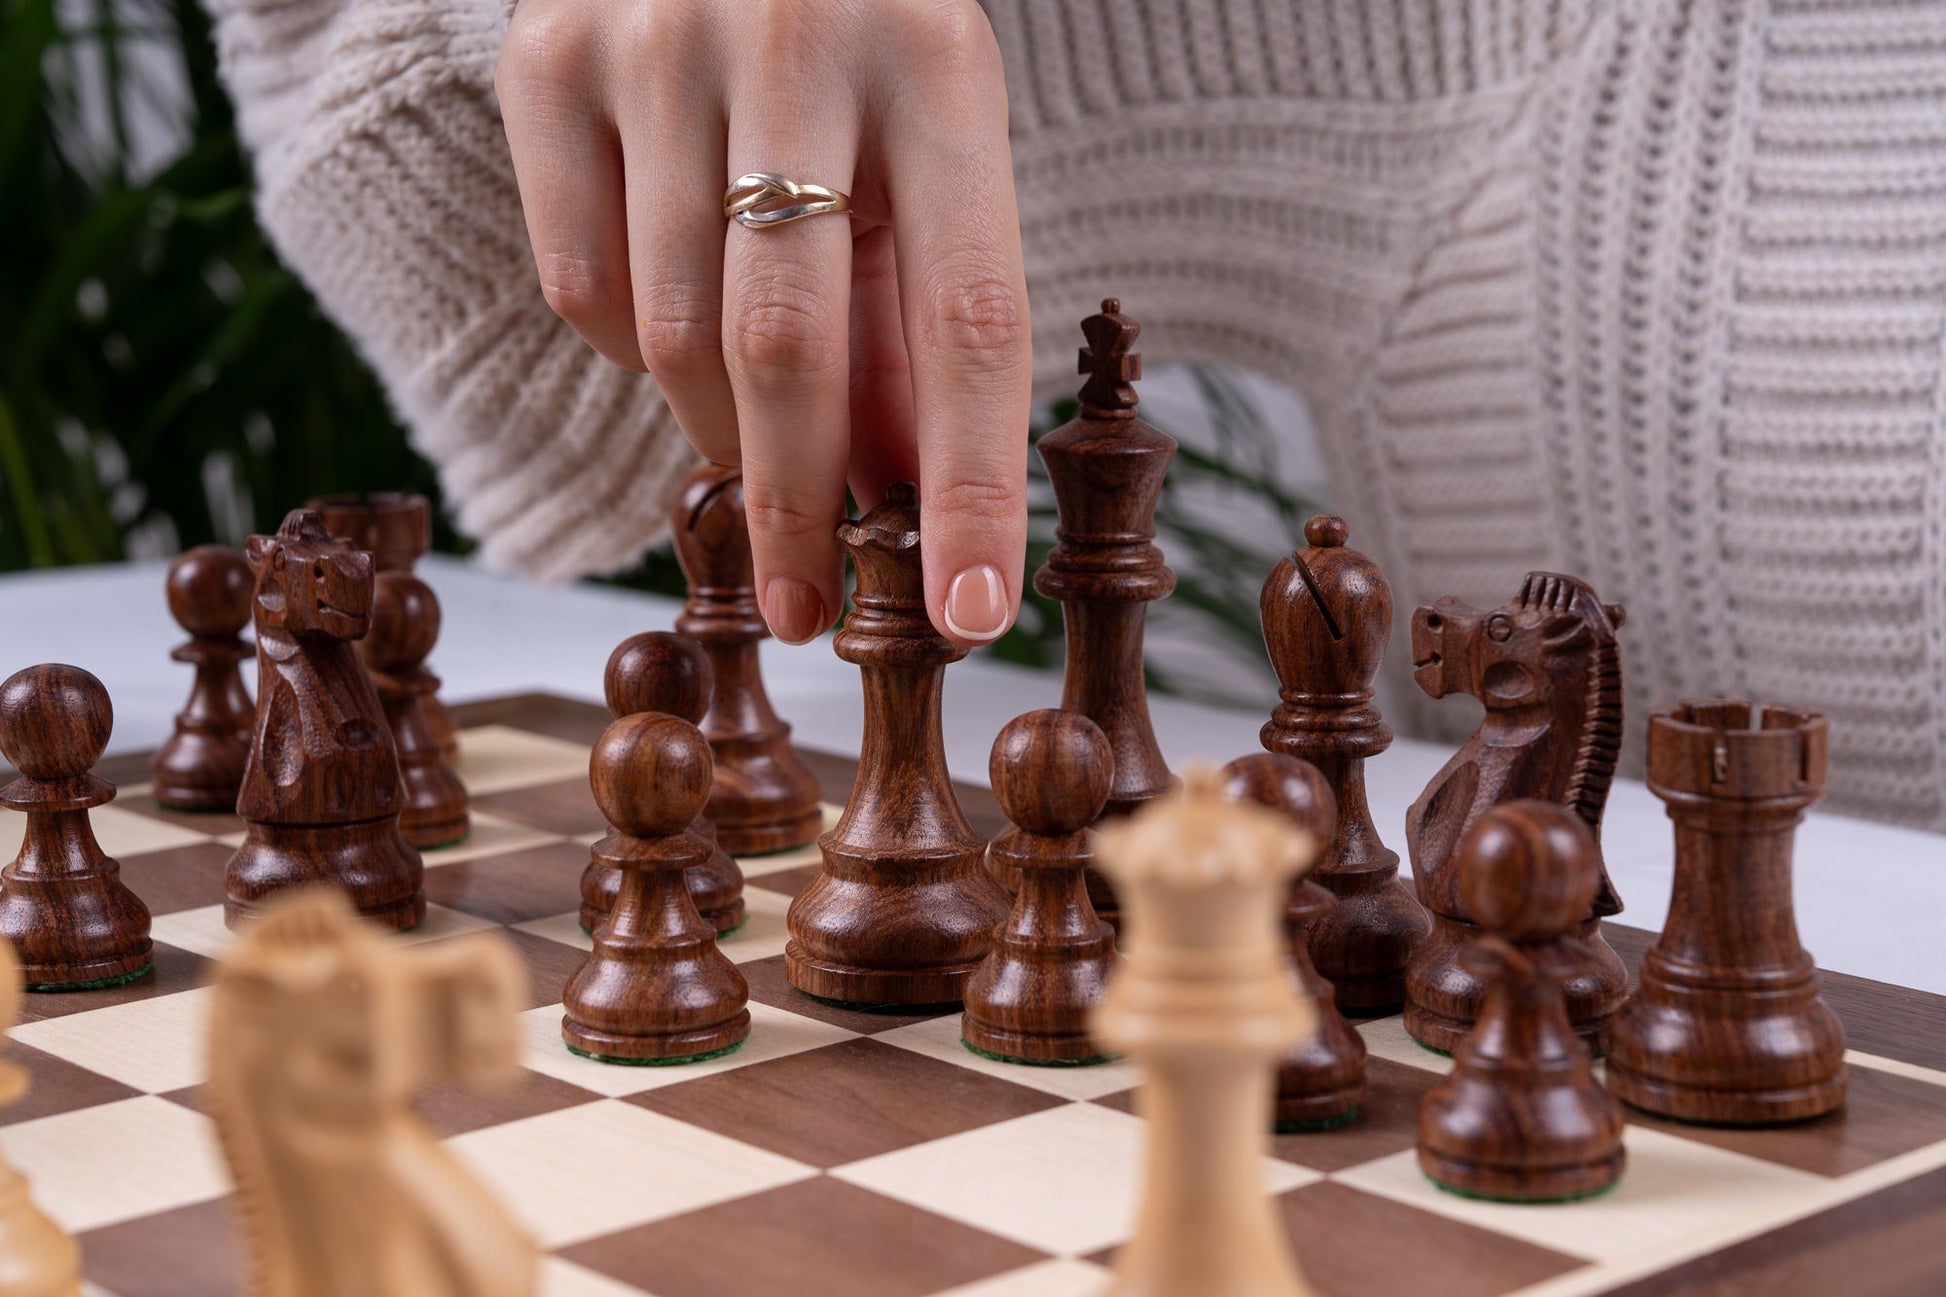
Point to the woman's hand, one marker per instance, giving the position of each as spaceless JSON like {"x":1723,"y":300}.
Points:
{"x":888,"y":345}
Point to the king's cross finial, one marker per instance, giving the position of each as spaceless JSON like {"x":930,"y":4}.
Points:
{"x":1109,"y":364}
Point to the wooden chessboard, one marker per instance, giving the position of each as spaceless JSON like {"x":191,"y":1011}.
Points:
{"x":871,"y":1155}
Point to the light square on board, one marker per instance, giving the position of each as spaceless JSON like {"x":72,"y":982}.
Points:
{"x":494,"y":758}
{"x":1060,"y":1277}
{"x":540,"y":1167}
{"x":120,"y":833}
{"x":940,"y":1038}
{"x":489,"y":835}
{"x":203,"y":930}
{"x":559,"y":1278}
{"x":773,"y":1034}
{"x":1386,"y":1038}
{"x":153,"y":1045}
{"x":116,"y":1161}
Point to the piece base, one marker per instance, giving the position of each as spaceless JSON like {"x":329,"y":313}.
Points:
{"x":56,"y":983}
{"x":432,"y":837}
{"x":617,"y":1061}
{"x":656,"y":1051}
{"x":1304,"y":1125}
{"x":1511,"y":1184}
{"x":875,"y":987}
{"x":1442,"y":1035}
{"x":400,"y":916}
{"x":1319,"y":1111}
{"x":1083,"y":1060}
{"x":1784,"y":1106}
{"x":198,"y":801}
{"x":762,"y":838}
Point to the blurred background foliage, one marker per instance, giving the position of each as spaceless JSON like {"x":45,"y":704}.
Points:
{"x":165,"y":381}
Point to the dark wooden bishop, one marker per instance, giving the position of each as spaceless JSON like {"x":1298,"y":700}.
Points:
{"x":1521,"y":1116}
{"x":200,"y":766}
{"x":405,"y":626}
{"x":1030,"y":999}
{"x":1106,"y":466}
{"x":659,"y":671}
{"x":901,"y":911}
{"x":63,"y":904}
{"x":1727,"y":1026}
{"x":1322,"y":1083}
{"x":322,"y":794}
{"x":765,"y":798}
{"x":655,"y":989}
{"x":1327,"y":613}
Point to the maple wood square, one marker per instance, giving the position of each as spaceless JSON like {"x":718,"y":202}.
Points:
{"x":817,"y":1238}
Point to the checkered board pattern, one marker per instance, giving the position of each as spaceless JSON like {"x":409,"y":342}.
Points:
{"x":872,"y":1155}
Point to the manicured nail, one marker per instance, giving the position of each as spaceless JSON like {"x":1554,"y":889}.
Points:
{"x":793,"y":609}
{"x":976,"y":604}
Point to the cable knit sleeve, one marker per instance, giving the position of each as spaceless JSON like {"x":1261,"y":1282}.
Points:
{"x":384,"y":181}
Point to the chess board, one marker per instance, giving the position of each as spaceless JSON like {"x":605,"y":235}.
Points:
{"x":872,"y":1155}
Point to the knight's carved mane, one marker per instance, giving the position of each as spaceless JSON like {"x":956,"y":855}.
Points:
{"x":1599,"y":745}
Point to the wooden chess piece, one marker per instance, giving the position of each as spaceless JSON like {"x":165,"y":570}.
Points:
{"x":662,"y":672}
{"x":1205,"y":1004}
{"x":395,"y":528}
{"x":1327,"y":614}
{"x":37,"y":1258}
{"x":655,"y":989}
{"x":1521,"y":1117}
{"x":1727,"y":1026}
{"x":1548,"y":669}
{"x":322,"y":794}
{"x":321,"y":1032}
{"x":765,"y":797}
{"x":1322,"y":1083}
{"x":200,"y":766}
{"x":405,"y":626}
{"x":901,"y":911}
{"x":63,"y":904}
{"x":1029,"y":1000}
{"x":1106,"y":466}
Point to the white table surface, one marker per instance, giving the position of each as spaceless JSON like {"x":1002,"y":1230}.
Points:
{"x":1871,"y":897}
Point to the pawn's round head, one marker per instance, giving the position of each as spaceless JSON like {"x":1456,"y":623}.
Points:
{"x":1528,"y":870}
{"x":405,"y":622}
{"x":658,"y":671}
{"x":1051,"y":771}
{"x":209,"y":590}
{"x":651,"y":774}
{"x":54,"y":721}
{"x":1294,"y":788}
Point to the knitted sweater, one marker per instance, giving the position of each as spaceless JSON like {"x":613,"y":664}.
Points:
{"x":1648,"y":291}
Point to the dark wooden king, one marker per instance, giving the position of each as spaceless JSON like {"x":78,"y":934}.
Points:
{"x":902,"y":911}
{"x":1106,"y":466}
{"x":322,"y":793}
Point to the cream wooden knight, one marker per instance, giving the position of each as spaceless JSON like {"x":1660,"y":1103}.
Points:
{"x":36,"y":1258}
{"x":1205,"y":1004}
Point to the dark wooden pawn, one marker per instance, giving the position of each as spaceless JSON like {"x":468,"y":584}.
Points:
{"x":1322,"y":1083}
{"x":655,"y":989}
{"x":395,"y":528}
{"x":1106,"y":467}
{"x":1521,"y":1116}
{"x":658,"y":671}
{"x":901,"y":911}
{"x":1327,"y":614}
{"x":200,"y":766}
{"x":1029,"y":1000}
{"x":63,"y":904}
{"x":1727,"y":1026}
{"x":765,"y":798}
{"x":405,"y":626}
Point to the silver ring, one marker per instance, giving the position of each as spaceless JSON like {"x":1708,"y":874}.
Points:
{"x":764,"y":198}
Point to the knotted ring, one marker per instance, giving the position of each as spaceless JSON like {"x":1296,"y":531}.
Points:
{"x":766,"y":198}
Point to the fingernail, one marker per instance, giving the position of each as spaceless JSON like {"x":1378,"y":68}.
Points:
{"x":976,"y":604}
{"x":793,"y":609}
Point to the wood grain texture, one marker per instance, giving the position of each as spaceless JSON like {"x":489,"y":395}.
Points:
{"x":1547,"y":667}
{"x":1030,"y":998}
{"x":1327,"y":613}
{"x":200,"y":767}
{"x":63,"y":904}
{"x":1727,"y":1025}
{"x":1521,"y":1117}
{"x":764,"y":797}
{"x":901,"y":911}
{"x":405,"y":626}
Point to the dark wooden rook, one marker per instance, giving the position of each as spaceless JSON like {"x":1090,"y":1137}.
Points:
{"x":1327,"y":613}
{"x":658,"y":671}
{"x":1549,"y":671}
{"x":655,"y":989}
{"x":322,"y":792}
{"x":63,"y":904}
{"x":1322,"y":1083}
{"x":765,"y":798}
{"x":901,"y":911}
{"x":1521,"y":1117}
{"x":200,"y":767}
{"x":1106,"y":466}
{"x":405,"y":626}
{"x":1030,"y":999}
{"x":1727,"y":1026}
